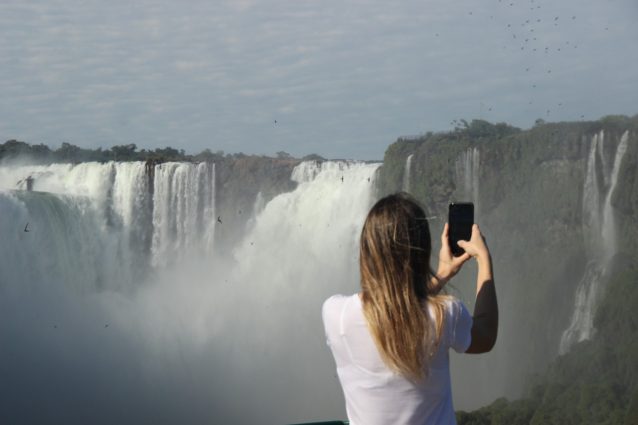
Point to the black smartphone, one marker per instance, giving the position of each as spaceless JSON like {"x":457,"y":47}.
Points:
{"x":460,"y":219}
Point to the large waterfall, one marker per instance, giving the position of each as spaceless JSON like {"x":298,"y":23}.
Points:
{"x":167,"y":209}
{"x":116,"y":306}
{"x":599,"y":230}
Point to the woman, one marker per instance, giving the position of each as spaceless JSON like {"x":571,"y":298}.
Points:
{"x":390,"y":341}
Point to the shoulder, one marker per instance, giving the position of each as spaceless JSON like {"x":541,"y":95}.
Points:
{"x":456,"y":311}
{"x":335,"y":299}
{"x":334,"y":304}
{"x":454,"y":306}
{"x":333,"y":307}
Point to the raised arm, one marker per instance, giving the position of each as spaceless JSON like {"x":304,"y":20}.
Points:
{"x":485,"y":318}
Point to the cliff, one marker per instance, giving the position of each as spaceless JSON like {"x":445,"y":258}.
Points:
{"x":245,"y":184}
{"x":557,"y":203}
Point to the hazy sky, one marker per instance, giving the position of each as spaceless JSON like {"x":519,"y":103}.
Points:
{"x":340,"y":78}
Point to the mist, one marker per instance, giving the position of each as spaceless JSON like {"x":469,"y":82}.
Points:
{"x":215,"y":337}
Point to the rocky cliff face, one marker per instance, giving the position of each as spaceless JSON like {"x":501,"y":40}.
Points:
{"x":544,"y":197}
{"x":244,"y":185}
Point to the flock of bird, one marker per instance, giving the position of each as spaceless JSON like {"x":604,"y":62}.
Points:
{"x":528,"y":36}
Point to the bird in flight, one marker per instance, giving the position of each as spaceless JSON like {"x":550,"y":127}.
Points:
{"x":26,"y":228}
{"x":219,"y":218}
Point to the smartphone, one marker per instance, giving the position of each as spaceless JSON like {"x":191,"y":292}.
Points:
{"x":460,"y":219}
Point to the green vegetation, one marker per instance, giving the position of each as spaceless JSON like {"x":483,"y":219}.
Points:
{"x":433,"y":180}
{"x":595,"y":383}
{"x":531,"y":209}
{"x":70,"y":153}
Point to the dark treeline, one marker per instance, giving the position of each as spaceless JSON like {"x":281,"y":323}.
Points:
{"x":69,"y":153}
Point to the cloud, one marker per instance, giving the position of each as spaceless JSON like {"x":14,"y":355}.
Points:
{"x":328,"y":58}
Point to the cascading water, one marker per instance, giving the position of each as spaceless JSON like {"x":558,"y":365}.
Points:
{"x":204,"y":338}
{"x":56,"y":242}
{"x":407,"y":173}
{"x":467,"y":176}
{"x":184,"y":211}
{"x":600,"y":239}
{"x":608,"y":229}
{"x":169,"y":211}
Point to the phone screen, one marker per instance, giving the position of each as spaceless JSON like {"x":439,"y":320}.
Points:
{"x":460,"y":219}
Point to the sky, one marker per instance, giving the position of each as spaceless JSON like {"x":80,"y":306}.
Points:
{"x":340,"y":78}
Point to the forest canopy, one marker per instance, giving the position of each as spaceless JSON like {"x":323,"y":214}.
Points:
{"x":69,"y":153}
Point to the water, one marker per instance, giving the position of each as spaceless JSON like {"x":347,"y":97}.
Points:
{"x":407,"y":173}
{"x":169,"y":212}
{"x":118,"y":307}
{"x":599,"y":229}
{"x":467,"y":167}
{"x":183,"y":211}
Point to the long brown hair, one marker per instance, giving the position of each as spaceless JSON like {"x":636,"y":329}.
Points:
{"x":396,"y":278}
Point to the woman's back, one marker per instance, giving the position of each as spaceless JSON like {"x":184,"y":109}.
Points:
{"x":374,"y":393}
{"x":391,"y":341}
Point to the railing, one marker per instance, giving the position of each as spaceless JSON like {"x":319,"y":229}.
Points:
{"x":325,"y":423}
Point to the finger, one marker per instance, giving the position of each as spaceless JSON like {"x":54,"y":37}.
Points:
{"x":445,"y":240}
{"x":464,"y":245}
{"x":444,"y":235}
{"x":476,"y":231}
{"x":458,"y":261}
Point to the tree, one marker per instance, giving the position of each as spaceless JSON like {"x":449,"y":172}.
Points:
{"x":68,"y":152}
{"x":313,"y":157}
{"x":283,"y":155}
{"x":124,"y":152}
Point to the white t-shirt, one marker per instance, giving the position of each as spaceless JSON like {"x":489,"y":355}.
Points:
{"x":374,"y":394}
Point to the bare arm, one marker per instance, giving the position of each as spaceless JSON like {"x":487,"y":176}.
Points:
{"x":485,"y":318}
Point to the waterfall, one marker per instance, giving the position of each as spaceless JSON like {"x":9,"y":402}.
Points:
{"x":198,"y":336}
{"x":608,"y":225}
{"x":319,"y":222}
{"x":170,"y":218}
{"x":301,"y":248}
{"x":407,"y":173}
{"x":56,"y":241}
{"x":184,"y":211}
{"x":467,"y":176}
{"x":600,"y":239}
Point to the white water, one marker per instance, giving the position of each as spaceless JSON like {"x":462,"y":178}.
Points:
{"x":56,"y":241}
{"x":467,"y":167}
{"x":599,"y":230}
{"x":176,"y":220}
{"x":608,"y":223}
{"x":201,"y":339}
{"x":184,"y":211}
{"x":407,"y":173}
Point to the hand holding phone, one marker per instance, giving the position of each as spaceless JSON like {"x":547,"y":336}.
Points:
{"x":449,"y":265}
{"x":460,"y":219}
{"x":476,"y":246}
